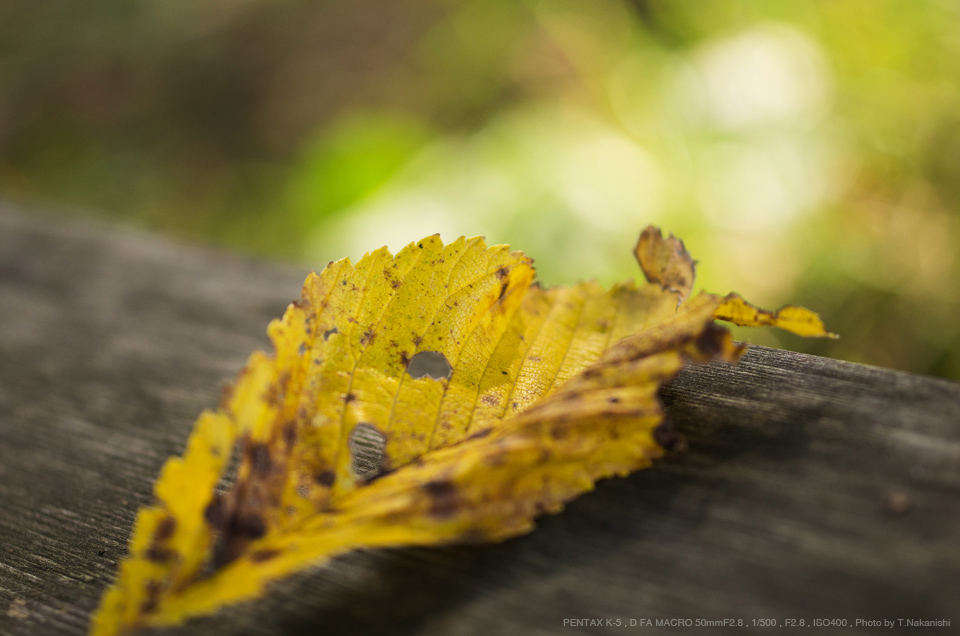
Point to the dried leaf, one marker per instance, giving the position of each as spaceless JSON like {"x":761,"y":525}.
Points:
{"x":665,"y":262}
{"x":432,"y":397}
{"x":792,"y":318}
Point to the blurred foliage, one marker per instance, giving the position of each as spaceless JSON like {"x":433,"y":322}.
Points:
{"x":808,"y":150}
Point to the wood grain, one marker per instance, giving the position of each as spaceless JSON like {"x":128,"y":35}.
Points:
{"x":811,"y":488}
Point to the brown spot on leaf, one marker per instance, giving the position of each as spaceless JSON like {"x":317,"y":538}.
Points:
{"x":710,"y":341}
{"x":349,"y":397}
{"x":250,"y":526}
{"x":152,"y":595}
{"x":368,"y":337}
{"x":489,"y":400}
{"x":495,"y":459}
{"x":503,"y":272}
{"x":290,"y":433}
{"x":259,"y":457}
{"x":503,"y":289}
{"x":213,"y":513}
{"x":329,"y":332}
{"x":259,"y":556}
{"x":158,"y":554}
{"x":276,"y":392}
{"x":165,"y":529}
{"x":444,"y":498}
{"x":325,"y":478}
{"x":226,"y":395}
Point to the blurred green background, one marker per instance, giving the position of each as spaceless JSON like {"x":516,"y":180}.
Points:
{"x":807,"y":151}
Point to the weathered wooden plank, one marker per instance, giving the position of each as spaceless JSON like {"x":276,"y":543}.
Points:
{"x":811,"y":488}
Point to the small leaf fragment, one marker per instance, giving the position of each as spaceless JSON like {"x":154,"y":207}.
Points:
{"x":792,"y":318}
{"x":665,"y":262}
{"x":353,"y":434}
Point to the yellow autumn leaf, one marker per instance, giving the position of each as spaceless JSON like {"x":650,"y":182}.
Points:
{"x":431,"y":397}
{"x":792,"y":318}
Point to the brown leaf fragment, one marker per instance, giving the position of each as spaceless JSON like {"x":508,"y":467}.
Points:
{"x":665,"y":262}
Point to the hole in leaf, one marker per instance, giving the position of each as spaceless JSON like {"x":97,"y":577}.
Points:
{"x":429,"y":363}
{"x":366,"y":450}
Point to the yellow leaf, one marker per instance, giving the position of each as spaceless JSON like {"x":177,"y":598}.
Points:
{"x":792,"y":318}
{"x":430,"y":397}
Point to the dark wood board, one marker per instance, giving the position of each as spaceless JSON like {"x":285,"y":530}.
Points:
{"x":811,"y":488}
